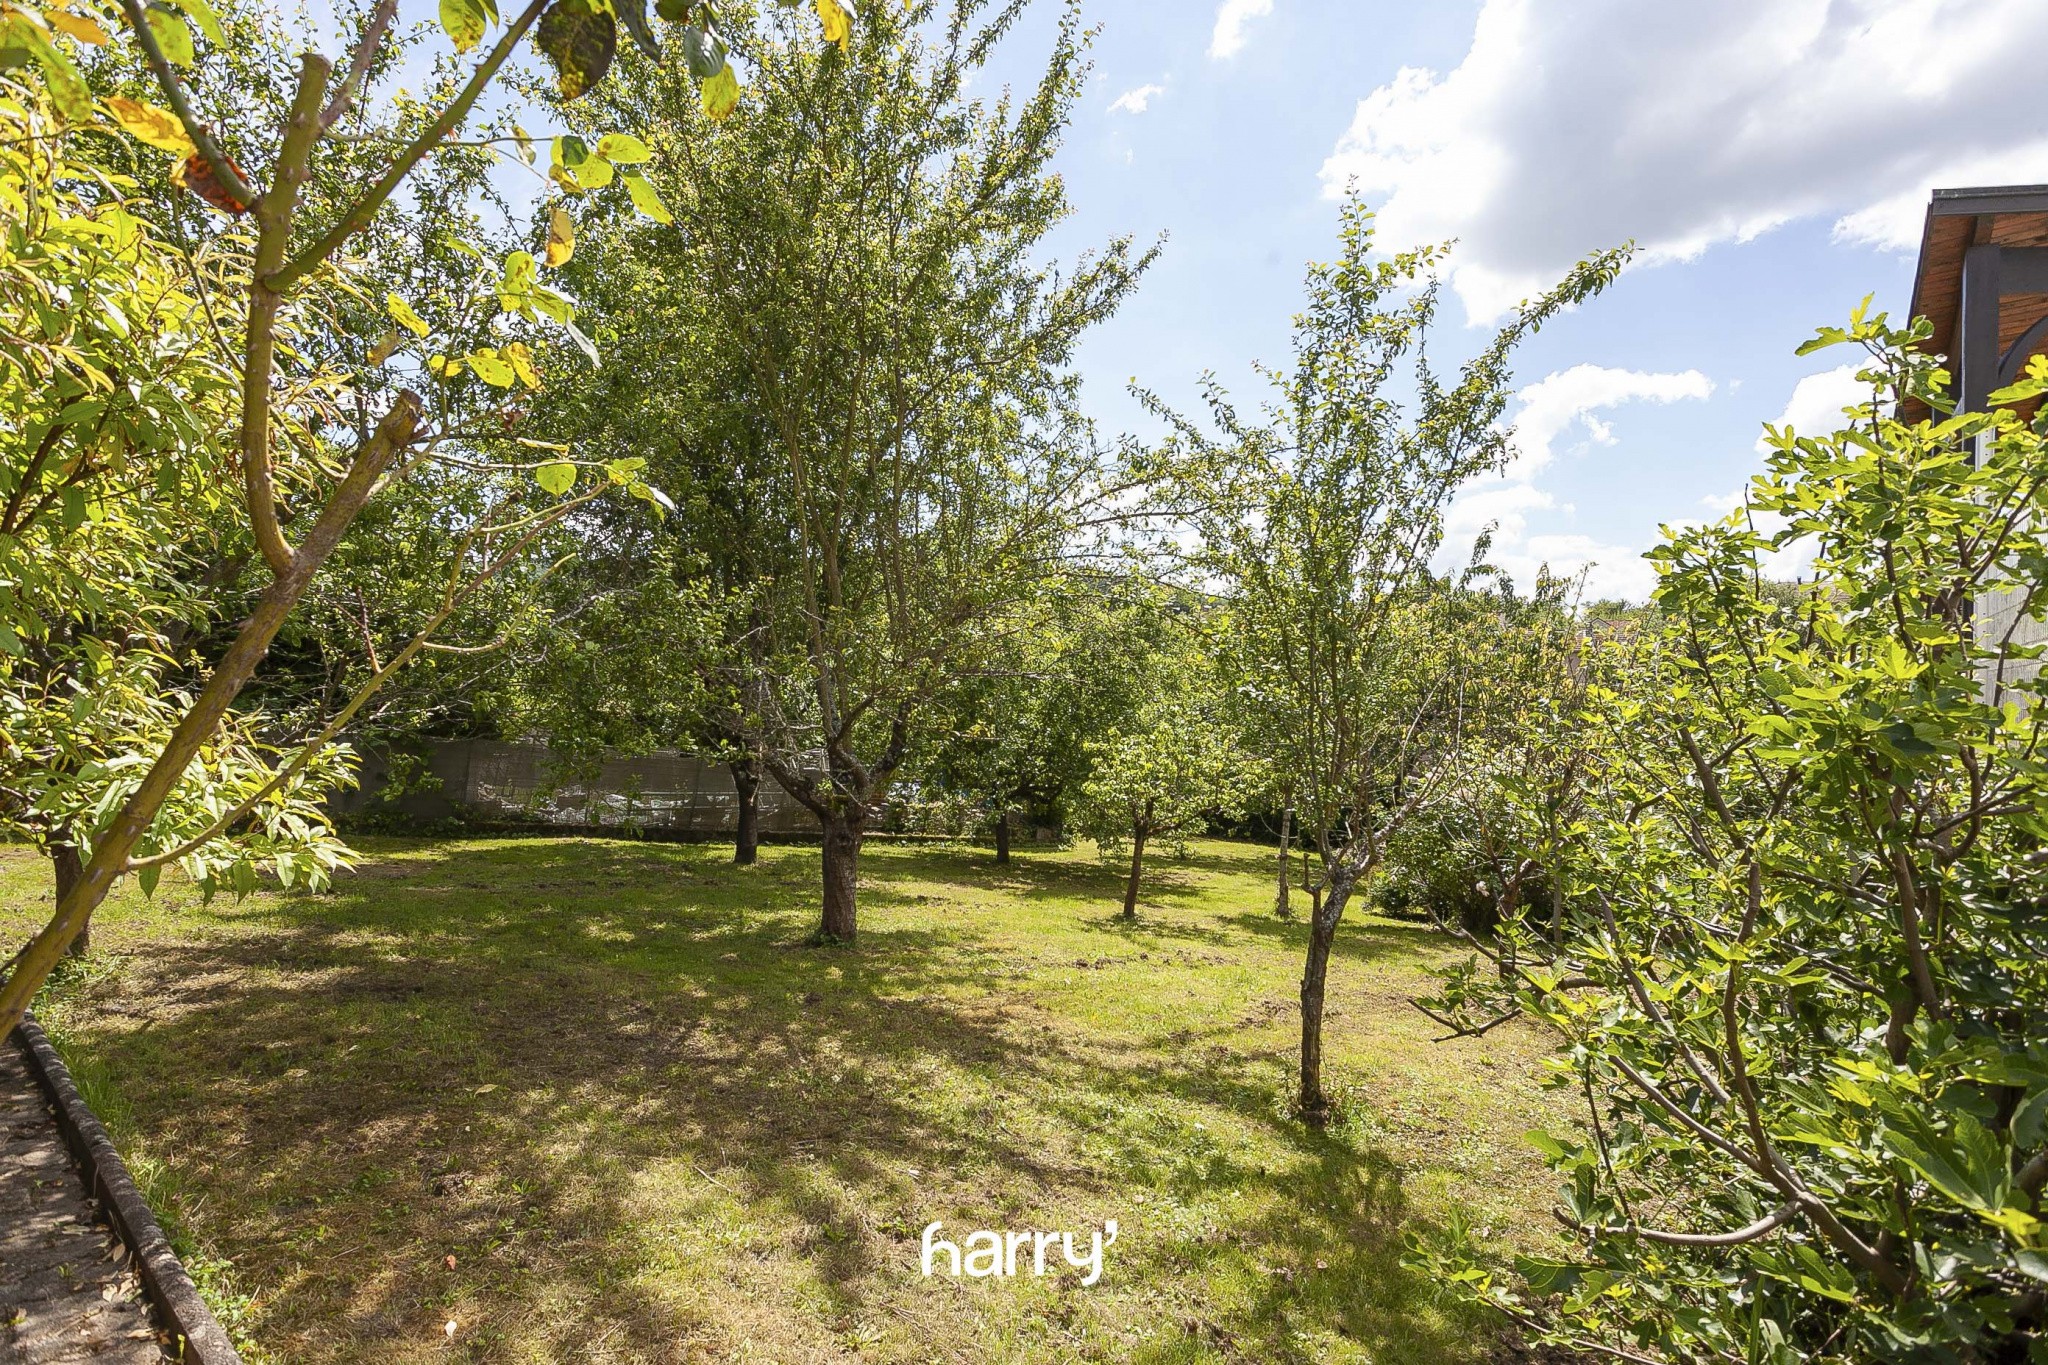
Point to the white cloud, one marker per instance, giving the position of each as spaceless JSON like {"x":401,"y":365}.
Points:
{"x":1816,"y":404}
{"x":1814,"y":407}
{"x":1227,"y":38}
{"x":1570,"y":128}
{"x":1136,"y":101}
{"x":1549,"y":410}
{"x":1556,"y":403}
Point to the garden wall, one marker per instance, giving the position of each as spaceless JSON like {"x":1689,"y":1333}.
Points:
{"x":494,"y":782}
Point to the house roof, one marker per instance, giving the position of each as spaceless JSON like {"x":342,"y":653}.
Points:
{"x":1997,"y":215}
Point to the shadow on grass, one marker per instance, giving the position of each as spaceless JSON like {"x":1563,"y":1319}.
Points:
{"x":562,"y":1064}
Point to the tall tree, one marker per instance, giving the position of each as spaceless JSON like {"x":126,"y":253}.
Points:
{"x":675,"y":675}
{"x":1320,"y":522}
{"x":867,"y":236}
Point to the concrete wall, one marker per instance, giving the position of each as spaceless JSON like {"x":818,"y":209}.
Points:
{"x":493,"y":780}
{"x":1994,"y":616}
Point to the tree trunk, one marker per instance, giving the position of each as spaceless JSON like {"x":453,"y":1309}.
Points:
{"x":1322,"y":932}
{"x":842,"y":865}
{"x":112,"y":850}
{"x":1507,"y":916}
{"x":746,"y":784}
{"x":69,"y":869}
{"x":1286,"y":829}
{"x":1137,"y":867}
{"x":1003,"y":835}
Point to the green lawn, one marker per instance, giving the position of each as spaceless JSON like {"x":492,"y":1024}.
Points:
{"x":596,"y":1101}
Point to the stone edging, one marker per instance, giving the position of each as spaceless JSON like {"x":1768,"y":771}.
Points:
{"x":170,"y":1290}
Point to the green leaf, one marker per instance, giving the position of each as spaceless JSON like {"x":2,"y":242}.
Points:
{"x":67,"y":88}
{"x":516,"y":285}
{"x":172,"y":36}
{"x":578,"y":41}
{"x":1547,"y":1276}
{"x":466,"y":21}
{"x":622,"y":148}
{"x":645,"y":199}
{"x":552,"y":306}
{"x":1966,"y":1164}
{"x":594,"y":174}
{"x":557,"y":476}
{"x":202,"y":14}
{"x":634,"y":12}
{"x":147,"y":879}
{"x":1901,"y":736}
{"x":2030,"y":1120}
{"x":703,"y":52}
{"x":675,"y":11}
{"x":1802,"y":1265}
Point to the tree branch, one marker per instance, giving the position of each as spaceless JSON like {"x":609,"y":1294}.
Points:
{"x":202,"y":137}
{"x":282,"y":277}
{"x":359,"y":64}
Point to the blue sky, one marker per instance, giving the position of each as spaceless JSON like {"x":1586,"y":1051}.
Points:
{"x":1772,"y":158}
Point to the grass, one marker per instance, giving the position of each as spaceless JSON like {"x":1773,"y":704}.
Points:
{"x":596,"y":1101}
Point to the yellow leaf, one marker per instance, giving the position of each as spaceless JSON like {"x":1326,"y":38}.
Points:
{"x":838,"y":27}
{"x":402,"y":312}
{"x":561,"y":238}
{"x":147,"y":123}
{"x":645,"y":199}
{"x":172,"y":36}
{"x":490,"y":368}
{"x":517,"y":354}
{"x":386,"y":344}
{"x":721,"y":93}
{"x":78,"y":26}
{"x":466,"y":22}
{"x":623,"y":148}
{"x":593,"y":174}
